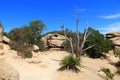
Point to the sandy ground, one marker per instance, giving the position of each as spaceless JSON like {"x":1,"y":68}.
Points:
{"x":48,"y":63}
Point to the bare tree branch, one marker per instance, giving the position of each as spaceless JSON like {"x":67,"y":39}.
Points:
{"x":78,"y":36}
{"x":88,"y":48}
{"x":71,"y":44}
{"x":86,"y":34}
{"x":69,"y":39}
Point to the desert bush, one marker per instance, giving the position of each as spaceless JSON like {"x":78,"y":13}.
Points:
{"x":26,"y":54}
{"x":100,"y":44}
{"x":41,"y":45}
{"x":29,"y":35}
{"x":70,"y":63}
{"x":108,"y":73}
{"x":21,"y":49}
{"x":117,"y":52}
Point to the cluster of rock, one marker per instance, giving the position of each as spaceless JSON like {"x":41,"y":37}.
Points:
{"x":115,"y":38}
{"x":53,"y":40}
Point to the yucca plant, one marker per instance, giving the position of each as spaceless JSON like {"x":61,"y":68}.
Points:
{"x":70,"y":63}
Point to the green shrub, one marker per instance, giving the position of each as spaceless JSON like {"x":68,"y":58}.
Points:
{"x":41,"y":45}
{"x":100,"y":44}
{"x":70,"y":63}
{"x":108,"y":73}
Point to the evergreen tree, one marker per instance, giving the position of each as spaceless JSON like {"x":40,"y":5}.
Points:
{"x":100,"y":44}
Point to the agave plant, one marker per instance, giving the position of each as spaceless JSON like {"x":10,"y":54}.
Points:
{"x":70,"y":63}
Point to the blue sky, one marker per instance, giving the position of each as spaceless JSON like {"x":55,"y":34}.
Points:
{"x":103,"y":15}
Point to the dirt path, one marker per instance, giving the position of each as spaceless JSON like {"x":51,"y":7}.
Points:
{"x":45,"y":70}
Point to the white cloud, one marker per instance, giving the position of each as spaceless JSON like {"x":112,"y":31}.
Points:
{"x":115,"y":27}
{"x":111,"y":16}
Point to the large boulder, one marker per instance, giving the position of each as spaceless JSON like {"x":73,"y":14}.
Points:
{"x":6,"y":40}
{"x":114,"y":37}
{"x":7,"y":72}
{"x":53,"y":40}
{"x":35,"y":48}
{"x":116,"y":41}
{"x":112,"y":34}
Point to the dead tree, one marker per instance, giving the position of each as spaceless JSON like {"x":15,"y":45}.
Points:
{"x":80,"y":45}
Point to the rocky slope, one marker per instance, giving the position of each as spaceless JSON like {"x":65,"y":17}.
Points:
{"x":44,"y":65}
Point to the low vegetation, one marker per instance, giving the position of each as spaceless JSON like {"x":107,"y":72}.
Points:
{"x":70,"y":63}
{"x":117,"y":64}
{"x":109,"y":75}
{"x":116,"y":52}
{"x":23,"y":51}
{"x":100,"y":44}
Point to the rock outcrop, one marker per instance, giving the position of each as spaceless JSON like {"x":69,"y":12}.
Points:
{"x":114,"y":37}
{"x":1,"y":33}
{"x":53,"y":40}
{"x":6,"y":40}
{"x":7,"y":72}
{"x":35,"y":48}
